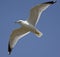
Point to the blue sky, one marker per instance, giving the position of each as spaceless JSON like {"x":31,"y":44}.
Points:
{"x":30,"y":46}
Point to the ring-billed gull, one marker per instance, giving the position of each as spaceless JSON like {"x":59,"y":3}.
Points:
{"x":29,"y":25}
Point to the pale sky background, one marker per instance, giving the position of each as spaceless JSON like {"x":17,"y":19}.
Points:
{"x":30,"y":46}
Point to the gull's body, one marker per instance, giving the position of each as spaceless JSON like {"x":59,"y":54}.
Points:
{"x":29,"y":25}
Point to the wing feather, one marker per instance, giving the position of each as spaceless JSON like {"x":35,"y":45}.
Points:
{"x":36,"y":11}
{"x":15,"y":36}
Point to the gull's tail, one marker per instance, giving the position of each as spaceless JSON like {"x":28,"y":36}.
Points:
{"x":38,"y":33}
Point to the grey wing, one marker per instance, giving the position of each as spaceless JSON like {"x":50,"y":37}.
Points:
{"x":15,"y":36}
{"x":36,"y":11}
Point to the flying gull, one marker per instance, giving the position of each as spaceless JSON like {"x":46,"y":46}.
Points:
{"x":28,"y":25}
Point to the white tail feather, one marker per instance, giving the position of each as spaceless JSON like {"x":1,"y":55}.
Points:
{"x":38,"y":34}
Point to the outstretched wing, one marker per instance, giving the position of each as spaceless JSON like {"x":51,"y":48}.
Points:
{"x":15,"y":36}
{"x":36,"y":11}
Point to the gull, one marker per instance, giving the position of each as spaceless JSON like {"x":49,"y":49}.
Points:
{"x":28,"y":25}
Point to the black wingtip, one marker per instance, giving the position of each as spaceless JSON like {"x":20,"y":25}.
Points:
{"x":51,"y":2}
{"x":9,"y":49}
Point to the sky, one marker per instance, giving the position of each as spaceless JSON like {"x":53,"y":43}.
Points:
{"x":30,"y":46}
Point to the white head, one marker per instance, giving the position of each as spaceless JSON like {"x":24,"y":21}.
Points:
{"x":22,"y":22}
{"x":19,"y":21}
